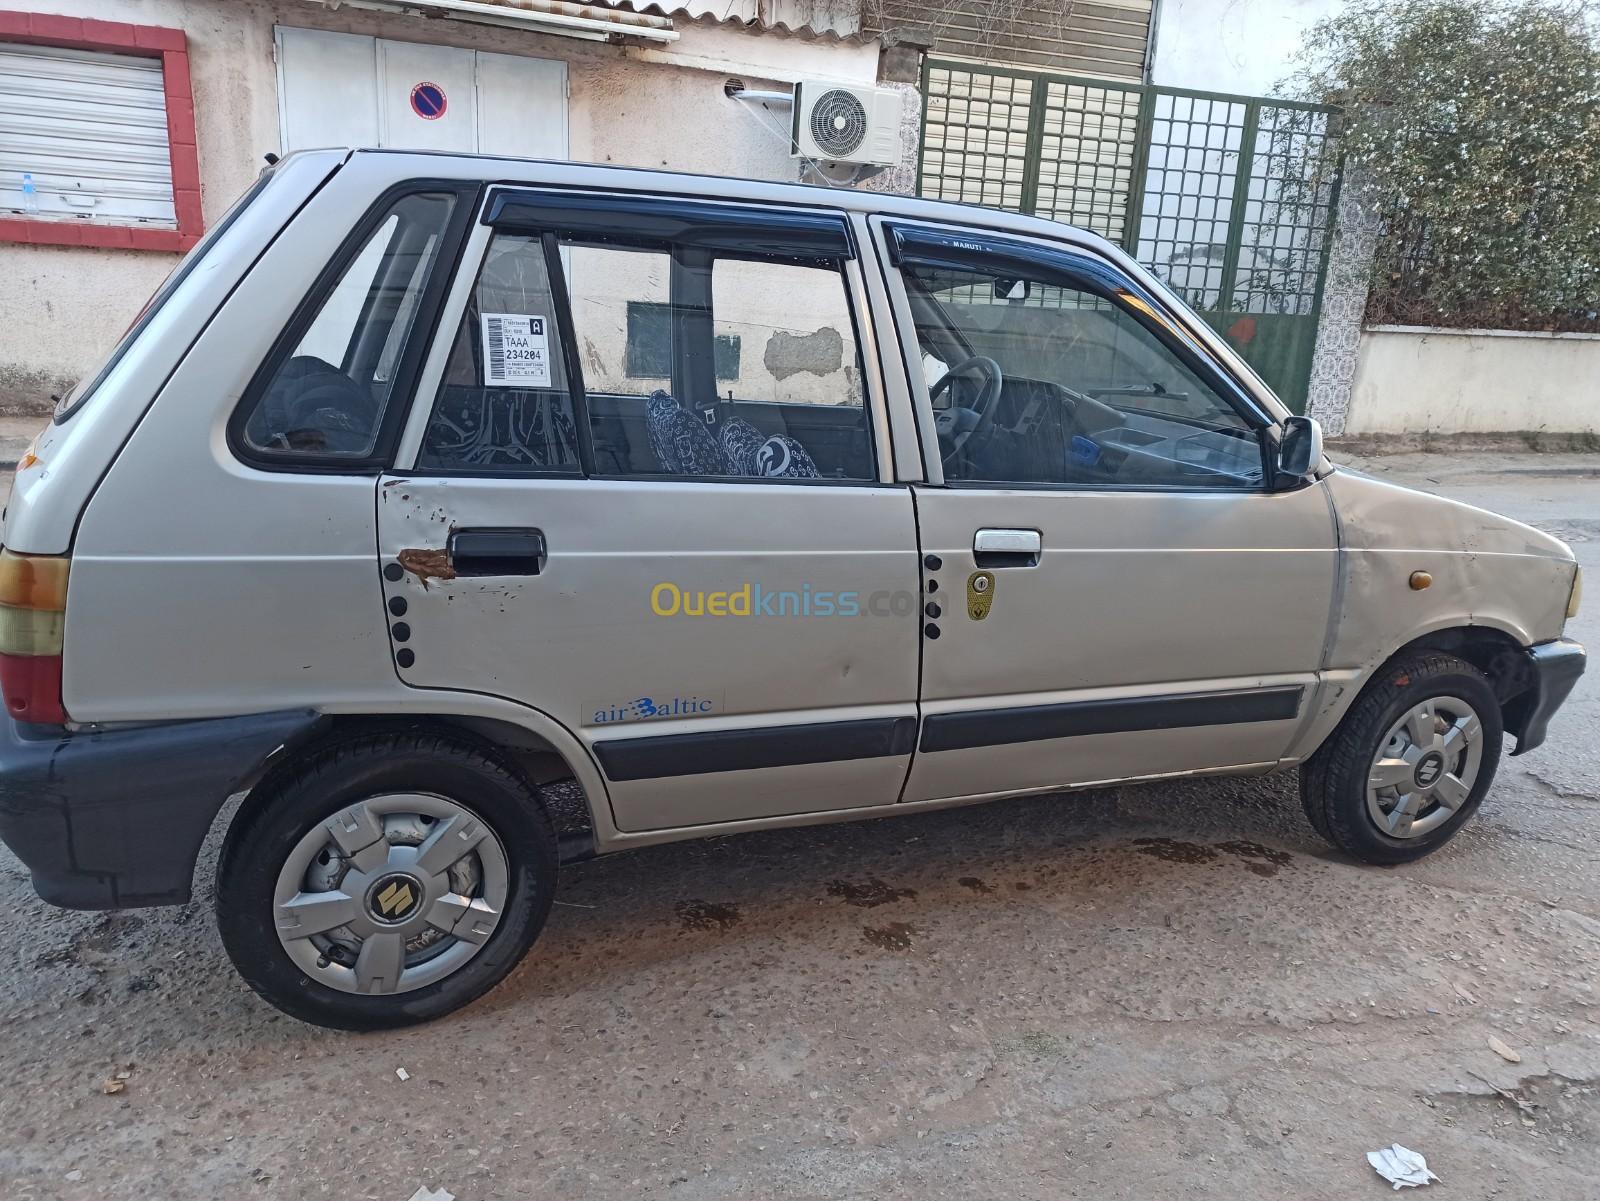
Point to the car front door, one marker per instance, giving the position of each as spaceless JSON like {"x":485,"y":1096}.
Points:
{"x":1115,"y":588}
{"x":641,"y":492}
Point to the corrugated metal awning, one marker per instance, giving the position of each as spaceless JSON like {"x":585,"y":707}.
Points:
{"x":814,"y":19}
{"x":590,"y":22}
{"x":1110,"y":38}
{"x":642,"y":20}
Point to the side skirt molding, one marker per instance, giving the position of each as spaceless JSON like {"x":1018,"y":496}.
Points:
{"x":1124,"y":715}
{"x":744,"y":750}
{"x":654,"y":758}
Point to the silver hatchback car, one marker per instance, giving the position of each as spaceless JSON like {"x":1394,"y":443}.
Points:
{"x":472,"y":516}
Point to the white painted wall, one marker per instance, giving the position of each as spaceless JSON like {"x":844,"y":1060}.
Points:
{"x":64,"y":307}
{"x":1240,"y":46}
{"x":1475,"y":382}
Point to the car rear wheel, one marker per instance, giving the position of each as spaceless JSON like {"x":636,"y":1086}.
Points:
{"x":1409,"y":764}
{"x":385,"y":881}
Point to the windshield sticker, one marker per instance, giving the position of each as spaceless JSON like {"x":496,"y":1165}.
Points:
{"x":516,"y":351}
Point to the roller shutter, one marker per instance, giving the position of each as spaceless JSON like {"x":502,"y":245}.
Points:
{"x":91,"y":128}
{"x":1109,"y":39}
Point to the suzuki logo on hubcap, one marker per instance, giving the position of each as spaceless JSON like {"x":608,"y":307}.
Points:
{"x":395,"y":898}
{"x":1429,"y":769}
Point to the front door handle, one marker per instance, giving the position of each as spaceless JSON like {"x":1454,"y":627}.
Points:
{"x":497,"y":551}
{"x":1007,"y":548}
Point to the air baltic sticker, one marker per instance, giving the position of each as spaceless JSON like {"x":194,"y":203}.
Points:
{"x":516,"y":351}
{"x":661,"y":706}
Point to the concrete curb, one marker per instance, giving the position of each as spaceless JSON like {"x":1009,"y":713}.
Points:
{"x":1519,"y":442}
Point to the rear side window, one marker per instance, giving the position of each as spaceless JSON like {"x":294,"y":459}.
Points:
{"x":324,"y":395}
{"x":795,"y":321}
{"x":704,"y":352}
{"x":504,"y":404}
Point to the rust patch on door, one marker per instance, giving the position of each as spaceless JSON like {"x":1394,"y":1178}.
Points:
{"x":427,"y":564}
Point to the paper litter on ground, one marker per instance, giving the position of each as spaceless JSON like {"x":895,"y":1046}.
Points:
{"x":1401,"y":1167}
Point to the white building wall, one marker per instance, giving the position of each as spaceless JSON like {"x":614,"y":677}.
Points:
{"x":1242,"y":46}
{"x":1475,"y":382}
{"x":66,"y":306}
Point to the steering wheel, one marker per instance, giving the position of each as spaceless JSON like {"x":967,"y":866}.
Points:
{"x":959,"y":426}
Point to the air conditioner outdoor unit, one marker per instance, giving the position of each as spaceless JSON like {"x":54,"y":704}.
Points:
{"x":844,"y":123}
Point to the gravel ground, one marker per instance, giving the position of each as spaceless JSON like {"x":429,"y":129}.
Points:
{"x":1138,"y":993}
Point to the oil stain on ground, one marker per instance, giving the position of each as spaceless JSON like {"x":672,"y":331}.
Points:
{"x":705,"y":915}
{"x":896,"y":936}
{"x":1263,"y":861}
{"x":975,"y":884}
{"x":1174,"y":851}
{"x":868,"y":894}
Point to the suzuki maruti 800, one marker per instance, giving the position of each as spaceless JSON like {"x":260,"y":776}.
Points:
{"x":431,"y":487}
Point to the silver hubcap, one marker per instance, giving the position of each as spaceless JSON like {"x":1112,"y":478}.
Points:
{"x":1426,"y":767}
{"x":391,"y":894}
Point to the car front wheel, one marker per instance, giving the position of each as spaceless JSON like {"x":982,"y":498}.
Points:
{"x":385,"y":881}
{"x":1409,"y":764}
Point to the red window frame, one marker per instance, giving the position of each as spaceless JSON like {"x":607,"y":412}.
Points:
{"x":148,"y":41}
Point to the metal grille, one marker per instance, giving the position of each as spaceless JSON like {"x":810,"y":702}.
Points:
{"x":1187,"y":216}
{"x":1282,"y":250}
{"x":975,"y":135}
{"x":1088,"y":149}
{"x":1204,"y":189}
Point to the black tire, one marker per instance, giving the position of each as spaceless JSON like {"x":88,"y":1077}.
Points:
{"x":1333,"y":782}
{"x":294,"y":800}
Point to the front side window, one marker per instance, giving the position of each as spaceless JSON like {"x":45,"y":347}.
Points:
{"x":326,"y":399}
{"x":1032,"y":382}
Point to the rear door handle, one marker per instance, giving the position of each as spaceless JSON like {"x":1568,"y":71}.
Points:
{"x":1007,"y":548}
{"x":497,"y":551}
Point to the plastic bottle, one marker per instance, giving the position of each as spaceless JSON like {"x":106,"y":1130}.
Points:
{"x":30,"y":194}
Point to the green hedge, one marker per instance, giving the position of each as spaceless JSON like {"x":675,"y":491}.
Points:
{"x":1474,"y":128}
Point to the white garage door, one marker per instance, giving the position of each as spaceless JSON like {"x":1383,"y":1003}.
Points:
{"x":340,"y":89}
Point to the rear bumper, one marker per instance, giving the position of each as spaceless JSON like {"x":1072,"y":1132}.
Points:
{"x":114,"y":818}
{"x":1556,"y":668}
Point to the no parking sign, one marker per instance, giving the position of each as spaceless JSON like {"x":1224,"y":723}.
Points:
{"x":428,"y":101}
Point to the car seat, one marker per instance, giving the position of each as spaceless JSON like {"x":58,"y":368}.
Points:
{"x":680,"y":441}
{"x":684,"y":445}
{"x":750,"y":452}
{"x":311,"y":405}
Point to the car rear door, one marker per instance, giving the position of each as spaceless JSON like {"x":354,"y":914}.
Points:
{"x":645,"y":489}
{"x":1120,"y":592}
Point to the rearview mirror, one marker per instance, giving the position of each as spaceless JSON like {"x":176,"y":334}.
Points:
{"x":1012,"y":289}
{"x":1300,"y":451}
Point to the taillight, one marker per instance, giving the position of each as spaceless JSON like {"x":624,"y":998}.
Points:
{"x":33,"y":610}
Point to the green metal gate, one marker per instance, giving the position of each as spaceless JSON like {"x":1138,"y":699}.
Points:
{"x":1210,"y":191}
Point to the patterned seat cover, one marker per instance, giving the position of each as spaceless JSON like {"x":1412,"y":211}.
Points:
{"x":680,"y":440}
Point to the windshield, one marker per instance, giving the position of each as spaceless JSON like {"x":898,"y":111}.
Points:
{"x":74,"y":400}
